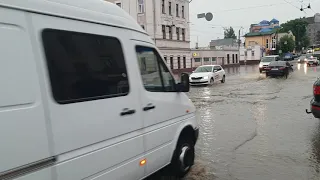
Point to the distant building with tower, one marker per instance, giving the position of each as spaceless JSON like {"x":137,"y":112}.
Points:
{"x":265,"y":26}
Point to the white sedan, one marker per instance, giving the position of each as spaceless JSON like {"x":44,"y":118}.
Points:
{"x":207,"y":75}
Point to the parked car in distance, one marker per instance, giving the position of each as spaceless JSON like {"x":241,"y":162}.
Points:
{"x":279,"y":68}
{"x":288,"y":57}
{"x":207,"y":75}
{"x":89,"y":96}
{"x":265,"y":61}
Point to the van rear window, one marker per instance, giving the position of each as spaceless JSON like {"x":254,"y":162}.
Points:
{"x":84,"y":67}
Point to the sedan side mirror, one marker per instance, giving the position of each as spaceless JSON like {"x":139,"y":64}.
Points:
{"x":215,"y":70}
{"x":184,"y":85}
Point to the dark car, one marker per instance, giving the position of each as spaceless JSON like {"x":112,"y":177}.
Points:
{"x":315,"y":102}
{"x":279,"y":68}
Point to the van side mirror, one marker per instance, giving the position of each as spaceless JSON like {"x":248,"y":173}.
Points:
{"x":184,"y":85}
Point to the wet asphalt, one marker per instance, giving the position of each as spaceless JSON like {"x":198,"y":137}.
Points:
{"x":256,"y":128}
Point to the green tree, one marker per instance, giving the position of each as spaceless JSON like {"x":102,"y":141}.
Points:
{"x":286,"y":44}
{"x":229,"y":33}
{"x":298,"y":27}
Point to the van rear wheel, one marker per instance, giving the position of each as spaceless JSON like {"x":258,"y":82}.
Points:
{"x":183,"y":157}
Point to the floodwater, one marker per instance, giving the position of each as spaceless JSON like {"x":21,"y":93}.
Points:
{"x":256,"y":128}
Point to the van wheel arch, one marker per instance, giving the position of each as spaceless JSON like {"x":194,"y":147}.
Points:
{"x":187,"y":140}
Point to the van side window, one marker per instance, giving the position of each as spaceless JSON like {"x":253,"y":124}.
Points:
{"x":155,"y":74}
{"x":84,"y":67}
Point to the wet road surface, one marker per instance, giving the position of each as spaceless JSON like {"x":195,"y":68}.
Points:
{"x":256,"y":128}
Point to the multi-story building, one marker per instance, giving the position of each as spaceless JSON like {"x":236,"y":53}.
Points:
{"x":166,"y":21}
{"x":267,"y":40}
{"x":313,"y":28}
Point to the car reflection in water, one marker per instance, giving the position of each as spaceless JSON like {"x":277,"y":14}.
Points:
{"x":304,"y":66}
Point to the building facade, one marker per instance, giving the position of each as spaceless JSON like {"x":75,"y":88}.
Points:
{"x":166,"y":21}
{"x":267,"y":40}
{"x":224,"y":57}
{"x":313,"y":28}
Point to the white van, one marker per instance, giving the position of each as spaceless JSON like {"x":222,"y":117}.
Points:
{"x":85,"y":95}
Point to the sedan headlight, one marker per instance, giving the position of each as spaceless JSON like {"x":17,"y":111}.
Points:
{"x":260,"y":65}
{"x":206,"y":77}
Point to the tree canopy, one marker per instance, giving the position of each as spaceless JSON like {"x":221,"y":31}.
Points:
{"x":286,"y":44}
{"x":298,"y":27}
{"x":229,"y":33}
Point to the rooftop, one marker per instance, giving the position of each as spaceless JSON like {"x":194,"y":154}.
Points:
{"x":252,"y":34}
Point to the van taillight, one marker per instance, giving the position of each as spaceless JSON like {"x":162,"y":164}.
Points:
{"x":316,"y":90}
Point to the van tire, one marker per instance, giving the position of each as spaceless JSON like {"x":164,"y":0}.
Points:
{"x":183,"y":157}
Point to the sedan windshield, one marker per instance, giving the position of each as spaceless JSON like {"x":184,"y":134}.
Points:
{"x":203,"y":69}
{"x":267,"y":59}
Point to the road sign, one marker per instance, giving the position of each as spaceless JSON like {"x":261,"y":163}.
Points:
{"x":202,"y":15}
{"x":208,"y":16}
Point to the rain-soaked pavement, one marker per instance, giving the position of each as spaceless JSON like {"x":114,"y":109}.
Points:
{"x":256,"y":128}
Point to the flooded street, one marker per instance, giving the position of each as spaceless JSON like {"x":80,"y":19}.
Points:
{"x":254,"y":127}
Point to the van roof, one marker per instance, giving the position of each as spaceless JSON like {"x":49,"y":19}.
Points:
{"x":97,"y":11}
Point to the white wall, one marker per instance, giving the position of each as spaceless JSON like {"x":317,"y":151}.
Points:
{"x":220,"y":55}
{"x":257,"y":53}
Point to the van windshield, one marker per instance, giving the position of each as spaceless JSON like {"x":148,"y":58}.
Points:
{"x":267,"y":59}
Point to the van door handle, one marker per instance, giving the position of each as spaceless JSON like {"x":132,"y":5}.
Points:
{"x":149,"y":107}
{"x":127,"y":111}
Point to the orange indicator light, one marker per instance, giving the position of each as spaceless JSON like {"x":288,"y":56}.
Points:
{"x":143,"y":162}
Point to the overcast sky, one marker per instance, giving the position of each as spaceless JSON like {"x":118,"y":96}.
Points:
{"x":225,"y":14}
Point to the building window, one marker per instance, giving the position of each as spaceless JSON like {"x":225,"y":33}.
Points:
{"x":155,"y":74}
{"x":177,"y":10}
{"x":197,"y":60}
{"x":236,"y":58}
{"x":163,"y":7}
{"x":228,"y":58}
{"x":164,"y":32}
{"x":165,"y":58}
{"x":170,"y":11}
{"x":267,"y":43}
{"x":118,"y":4}
{"x":233,"y":58}
{"x":182,"y":11}
{"x":171,"y":62}
{"x":214,"y":59}
{"x":98,"y":72}
{"x":184,"y":62}
{"x":170,"y":32}
{"x":183,"y":34}
{"x":252,"y":53}
{"x":179,"y":63}
{"x":141,"y":6}
{"x":206,"y":59}
{"x":178,"y":33}
{"x":245,"y":53}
